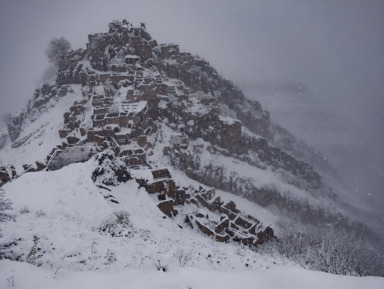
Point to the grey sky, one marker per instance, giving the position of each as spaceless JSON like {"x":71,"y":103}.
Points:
{"x":333,"y":47}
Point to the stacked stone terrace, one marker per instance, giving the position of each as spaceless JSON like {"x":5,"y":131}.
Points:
{"x":133,"y":82}
{"x":119,"y":124}
{"x":131,"y":87}
{"x":121,"y":93}
{"x":202,"y":210}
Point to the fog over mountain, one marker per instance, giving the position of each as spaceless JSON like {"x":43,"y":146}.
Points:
{"x":316,"y":65}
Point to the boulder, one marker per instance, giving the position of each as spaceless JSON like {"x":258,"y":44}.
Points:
{"x":7,"y":173}
{"x":70,"y":155}
{"x":40,"y":166}
{"x":28,"y":168}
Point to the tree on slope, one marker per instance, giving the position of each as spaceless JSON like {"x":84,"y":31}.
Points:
{"x":57,"y":49}
{"x":5,"y":205}
{"x":329,"y":249}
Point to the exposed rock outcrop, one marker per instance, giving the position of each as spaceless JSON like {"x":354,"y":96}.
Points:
{"x":69,"y":155}
{"x":7,"y":173}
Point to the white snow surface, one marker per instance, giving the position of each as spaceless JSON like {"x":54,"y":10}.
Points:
{"x":65,"y":210}
{"x":288,"y":277}
{"x":62,"y":221}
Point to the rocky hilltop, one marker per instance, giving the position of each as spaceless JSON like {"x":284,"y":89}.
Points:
{"x":136,"y":105}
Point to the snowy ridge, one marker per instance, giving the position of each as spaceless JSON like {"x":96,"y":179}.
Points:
{"x":67,"y":240}
{"x":56,"y":229}
{"x":141,"y":160}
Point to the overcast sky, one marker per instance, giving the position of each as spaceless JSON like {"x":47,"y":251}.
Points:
{"x":335,"y":48}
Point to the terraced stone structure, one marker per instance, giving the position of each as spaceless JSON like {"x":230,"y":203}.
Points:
{"x":222,"y":222}
{"x":152,"y":104}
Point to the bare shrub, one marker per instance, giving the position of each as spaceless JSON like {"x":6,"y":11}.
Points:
{"x":5,"y":205}
{"x":328,"y":249}
{"x":122,"y":217}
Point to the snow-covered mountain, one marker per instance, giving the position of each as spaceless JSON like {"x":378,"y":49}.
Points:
{"x":138,"y":155}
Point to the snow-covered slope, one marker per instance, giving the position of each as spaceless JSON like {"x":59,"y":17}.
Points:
{"x":38,"y":134}
{"x":63,"y":220}
{"x":23,"y":275}
{"x":78,"y":237}
{"x":64,"y":226}
{"x":140,"y":157}
{"x":137,"y":95}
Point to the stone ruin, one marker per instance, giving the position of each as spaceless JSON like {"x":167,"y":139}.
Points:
{"x":219,"y":220}
{"x":130,"y":86}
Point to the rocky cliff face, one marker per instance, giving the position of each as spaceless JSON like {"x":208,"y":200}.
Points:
{"x":151,"y":105}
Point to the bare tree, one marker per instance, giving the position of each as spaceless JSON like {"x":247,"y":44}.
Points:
{"x":329,"y":249}
{"x":5,"y":205}
{"x":57,"y":49}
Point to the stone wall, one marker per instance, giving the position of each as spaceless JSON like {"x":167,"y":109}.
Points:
{"x":226,"y":223}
